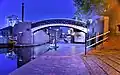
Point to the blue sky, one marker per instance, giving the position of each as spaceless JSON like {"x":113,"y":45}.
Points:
{"x":37,"y":9}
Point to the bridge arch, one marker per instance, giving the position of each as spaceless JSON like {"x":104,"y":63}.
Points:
{"x":58,"y":22}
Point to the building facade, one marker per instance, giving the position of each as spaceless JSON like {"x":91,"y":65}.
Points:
{"x":5,"y":34}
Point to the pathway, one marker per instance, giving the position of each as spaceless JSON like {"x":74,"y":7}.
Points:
{"x":67,"y":61}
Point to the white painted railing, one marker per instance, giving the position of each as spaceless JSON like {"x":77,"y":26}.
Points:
{"x":97,"y":42}
{"x":96,"y":38}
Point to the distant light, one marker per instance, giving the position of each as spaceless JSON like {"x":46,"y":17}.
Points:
{"x":69,"y":31}
{"x":88,"y":30}
{"x":105,"y":10}
{"x":1,"y":36}
{"x":57,"y":29}
{"x":63,"y":33}
{"x":9,"y":53}
{"x":20,"y":32}
{"x":73,"y":33}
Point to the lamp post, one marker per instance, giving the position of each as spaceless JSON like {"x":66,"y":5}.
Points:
{"x":33,"y":53}
{"x":85,"y":43}
{"x":55,"y":40}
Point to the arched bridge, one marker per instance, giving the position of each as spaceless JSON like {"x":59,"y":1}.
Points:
{"x":59,"y":22}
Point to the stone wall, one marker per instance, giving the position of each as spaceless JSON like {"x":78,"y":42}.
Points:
{"x":22,"y":31}
{"x":114,"y":16}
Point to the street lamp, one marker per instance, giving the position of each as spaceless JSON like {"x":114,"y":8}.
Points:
{"x":55,"y":40}
{"x":33,"y":53}
{"x":20,"y":37}
{"x":57,"y":29}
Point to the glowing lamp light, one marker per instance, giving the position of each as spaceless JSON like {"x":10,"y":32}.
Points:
{"x":73,"y":33}
{"x":88,"y":30}
{"x":1,"y":36}
{"x":57,"y":29}
{"x":20,"y":32}
{"x":69,"y":31}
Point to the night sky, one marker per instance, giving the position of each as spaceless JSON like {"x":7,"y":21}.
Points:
{"x":37,"y":9}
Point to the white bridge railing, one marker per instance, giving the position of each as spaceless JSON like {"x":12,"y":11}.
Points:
{"x":96,"y":42}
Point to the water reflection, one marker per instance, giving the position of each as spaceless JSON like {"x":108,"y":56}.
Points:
{"x":7,"y":65}
{"x":3,"y":50}
{"x":13,"y":59}
{"x":26,"y":54}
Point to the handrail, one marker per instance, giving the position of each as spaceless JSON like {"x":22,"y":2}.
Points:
{"x":98,"y":36}
{"x":97,"y":42}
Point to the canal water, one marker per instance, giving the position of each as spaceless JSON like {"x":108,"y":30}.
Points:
{"x":9,"y":60}
{"x":7,"y":65}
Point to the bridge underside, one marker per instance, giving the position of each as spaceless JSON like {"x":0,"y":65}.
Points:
{"x":83,"y":29}
{"x":59,"y":22}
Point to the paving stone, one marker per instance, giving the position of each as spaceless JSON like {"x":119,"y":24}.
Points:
{"x":54,"y":63}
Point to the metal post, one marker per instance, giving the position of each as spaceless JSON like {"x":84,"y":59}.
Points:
{"x":86,"y":35}
{"x":102,"y":42}
{"x":85,"y":43}
{"x":95,"y":41}
{"x":33,"y":48}
{"x":49,"y":36}
{"x":102,"y":45}
{"x":55,"y":40}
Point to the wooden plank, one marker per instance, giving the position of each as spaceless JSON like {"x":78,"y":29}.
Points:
{"x":117,"y":56}
{"x":114,"y":59}
{"x":96,"y":69}
{"x":91,"y":72}
{"x":108,"y":69}
{"x":112,"y":64}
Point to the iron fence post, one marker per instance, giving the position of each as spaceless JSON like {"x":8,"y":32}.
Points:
{"x":85,"y":43}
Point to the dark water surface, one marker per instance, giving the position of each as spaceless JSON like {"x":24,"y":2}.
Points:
{"x":9,"y":62}
{"x":7,"y":65}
